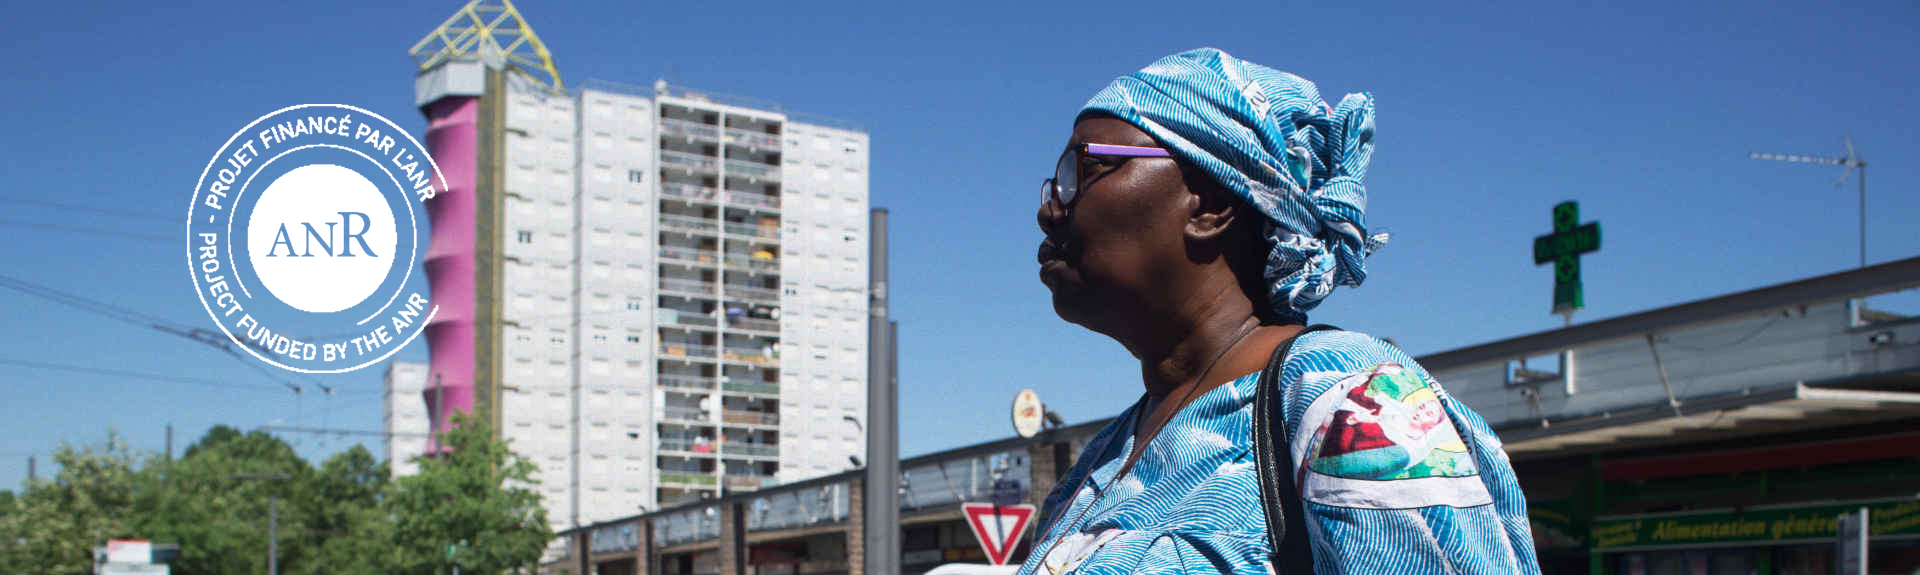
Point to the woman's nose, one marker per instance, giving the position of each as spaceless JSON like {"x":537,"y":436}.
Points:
{"x":1049,"y":217}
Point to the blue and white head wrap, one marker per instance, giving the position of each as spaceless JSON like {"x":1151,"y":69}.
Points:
{"x":1266,"y":136}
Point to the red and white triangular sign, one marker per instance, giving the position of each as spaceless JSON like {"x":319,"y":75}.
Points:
{"x":998,"y":528}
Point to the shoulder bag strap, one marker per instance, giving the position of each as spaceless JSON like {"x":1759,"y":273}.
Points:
{"x":1273,"y":456}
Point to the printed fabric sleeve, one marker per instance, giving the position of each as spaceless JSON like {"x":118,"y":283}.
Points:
{"x":1222,"y":553}
{"x":1396,"y":476}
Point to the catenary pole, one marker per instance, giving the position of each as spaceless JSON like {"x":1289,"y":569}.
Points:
{"x":882,"y":497}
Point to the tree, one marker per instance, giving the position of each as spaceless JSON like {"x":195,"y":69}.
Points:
{"x":343,"y":512}
{"x":220,"y":520}
{"x":53,"y":525}
{"x":474,"y":507}
{"x":344,"y":518}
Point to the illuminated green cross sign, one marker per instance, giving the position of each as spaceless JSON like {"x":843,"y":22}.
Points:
{"x":1563,"y":247}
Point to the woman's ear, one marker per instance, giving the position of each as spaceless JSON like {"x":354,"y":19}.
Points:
{"x":1211,"y":212}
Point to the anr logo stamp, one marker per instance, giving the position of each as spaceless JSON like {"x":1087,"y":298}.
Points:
{"x":323,"y":203}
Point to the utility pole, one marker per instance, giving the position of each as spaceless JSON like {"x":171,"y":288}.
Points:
{"x":882,"y":513}
{"x":273,"y":518}
{"x":167,"y":473}
{"x":273,"y":534}
{"x":30,"y":470}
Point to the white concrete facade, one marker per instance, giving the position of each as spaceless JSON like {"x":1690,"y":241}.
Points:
{"x":405,"y":415}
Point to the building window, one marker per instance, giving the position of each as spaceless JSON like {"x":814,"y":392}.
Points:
{"x":525,"y":237}
{"x":633,"y":339}
{"x":636,"y":176}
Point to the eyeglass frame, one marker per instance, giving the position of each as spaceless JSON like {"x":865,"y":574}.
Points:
{"x":1050,"y":188}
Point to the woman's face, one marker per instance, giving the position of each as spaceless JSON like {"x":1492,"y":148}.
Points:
{"x":1109,"y":253}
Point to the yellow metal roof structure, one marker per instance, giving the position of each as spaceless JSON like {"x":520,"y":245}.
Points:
{"x":493,"y":32}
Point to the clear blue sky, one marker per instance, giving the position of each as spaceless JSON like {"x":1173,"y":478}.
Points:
{"x":1487,"y":117}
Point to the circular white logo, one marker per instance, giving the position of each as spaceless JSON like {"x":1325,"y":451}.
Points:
{"x":327,"y":265}
{"x":322,"y":202}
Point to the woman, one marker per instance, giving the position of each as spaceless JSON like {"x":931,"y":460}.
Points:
{"x":1203,"y":205}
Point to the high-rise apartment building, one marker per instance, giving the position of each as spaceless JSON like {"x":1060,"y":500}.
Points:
{"x":657,"y":295}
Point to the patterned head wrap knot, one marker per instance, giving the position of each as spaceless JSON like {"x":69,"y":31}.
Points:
{"x":1266,"y":136}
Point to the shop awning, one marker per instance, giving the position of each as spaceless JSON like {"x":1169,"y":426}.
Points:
{"x":1791,"y":407}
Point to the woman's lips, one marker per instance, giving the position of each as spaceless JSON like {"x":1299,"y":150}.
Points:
{"x":1051,"y":259}
{"x":1050,"y":252}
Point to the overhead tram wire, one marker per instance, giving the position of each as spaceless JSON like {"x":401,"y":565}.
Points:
{"x":163,"y":325}
{"x":338,"y":432}
{"x":90,"y":231}
{"x":93,"y":209}
{"x":137,"y":375}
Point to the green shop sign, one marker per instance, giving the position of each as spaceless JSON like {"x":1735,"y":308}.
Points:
{"x":1762,"y":527}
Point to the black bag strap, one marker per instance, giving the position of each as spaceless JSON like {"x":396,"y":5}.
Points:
{"x":1273,"y":457}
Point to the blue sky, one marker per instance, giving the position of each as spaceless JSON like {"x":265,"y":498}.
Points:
{"x":1488,"y":115}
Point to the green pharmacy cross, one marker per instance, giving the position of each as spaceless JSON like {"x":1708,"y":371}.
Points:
{"x":1569,"y":240}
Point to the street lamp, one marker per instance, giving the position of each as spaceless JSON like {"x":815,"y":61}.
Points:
{"x":273,"y":518}
{"x":862,"y":429}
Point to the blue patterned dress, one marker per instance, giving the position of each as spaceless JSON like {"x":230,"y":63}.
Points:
{"x":1396,"y":477}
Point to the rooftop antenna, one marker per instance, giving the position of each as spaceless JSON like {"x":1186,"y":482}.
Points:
{"x":1850,"y":161}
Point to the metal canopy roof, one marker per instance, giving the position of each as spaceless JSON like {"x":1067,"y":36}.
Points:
{"x":1794,"y":406}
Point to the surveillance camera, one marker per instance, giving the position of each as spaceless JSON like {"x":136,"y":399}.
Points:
{"x":1882,"y":338}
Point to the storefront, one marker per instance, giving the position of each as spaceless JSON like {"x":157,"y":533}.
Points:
{"x":1717,"y":436}
{"x":1787,"y":540}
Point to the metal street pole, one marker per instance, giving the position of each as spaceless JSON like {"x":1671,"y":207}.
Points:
{"x":1863,"y":213}
{"x":273,"y":518}
{"x":273,"y":534}
{"x":882,"y":514}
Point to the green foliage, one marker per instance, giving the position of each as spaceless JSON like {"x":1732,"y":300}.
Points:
{"x":475,"y":507}
{"x":344,"y":517}
{"x":54,"y":524}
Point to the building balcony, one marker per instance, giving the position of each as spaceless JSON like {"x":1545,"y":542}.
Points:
{"x":686,"y":479}
{"x":685,"y":382}
{"x":695,"y":256}
{"x":688,"y":224}
{"x":672,"y":349}
{"x":688,"y":446}
{"x":752,"y":139}
{"x":677,"y":318}
{"x":759,"y":388}
{"x":693,"y":162}
{"x":750,"y":356}
{"x":754,"y":231}
{"x":741,"y":291}
{"x":753,"y":294}
{"x":690,"y":191}
{"x":754,"y":324}
{"x":694,"y":130}
{"x":747,"y":482}
{"x":687,"y":286}
{"x":746,"y":262}
{"x":751,"y":449}
{"x":754,"y":170}
{"x":744,"y":417}
{"x":753,"y":199}
{"x":693,"y":414}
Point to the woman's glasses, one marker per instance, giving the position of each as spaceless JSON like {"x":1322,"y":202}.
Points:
{"x":1063,"y":189}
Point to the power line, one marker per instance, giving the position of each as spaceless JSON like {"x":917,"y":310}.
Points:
{"x":93,"y":231}
{"x":137,"y":375}
{"x":342,"y":432}
{"x":94,"y":209}
{"x":129,"y":316}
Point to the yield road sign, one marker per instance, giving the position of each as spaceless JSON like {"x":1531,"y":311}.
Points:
{"x":998,"y":527}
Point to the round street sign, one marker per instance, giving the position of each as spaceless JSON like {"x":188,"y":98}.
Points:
{"x":1028,"y":412}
